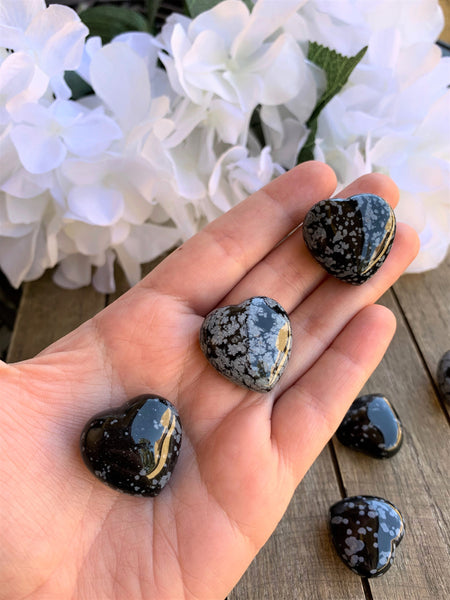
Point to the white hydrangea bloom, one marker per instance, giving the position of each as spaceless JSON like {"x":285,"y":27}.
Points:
{"x":225,"y":52}
{"x":53,"y":36}
{"x":385,"y":118}
{"x":155,"y":153}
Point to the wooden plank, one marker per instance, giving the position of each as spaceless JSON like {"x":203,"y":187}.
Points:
{"x":425,"y":301}
{"x":416,"y":480}
{"x":47,"y":312}
{"x":445,"y":33}
{"x":298,"y":561}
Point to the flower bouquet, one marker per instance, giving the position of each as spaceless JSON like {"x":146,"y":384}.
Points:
{"x":121,"y":135}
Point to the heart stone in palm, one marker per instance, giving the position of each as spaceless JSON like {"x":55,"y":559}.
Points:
{"x":249,"y":343}
{"x":351,"y":237}
{"x":365,"y":532}
{"x":134,"y":448}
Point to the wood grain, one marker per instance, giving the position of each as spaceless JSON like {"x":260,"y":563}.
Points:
{"x":416,"y":479}
{"x":298,"y":562}
{"x":47,"y":312}
{"x":425,"y":302}
{"x":445,"y":33}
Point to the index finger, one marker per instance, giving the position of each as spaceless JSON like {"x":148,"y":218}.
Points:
{"x":206,"y":267}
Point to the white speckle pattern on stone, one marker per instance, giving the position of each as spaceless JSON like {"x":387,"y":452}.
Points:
{"x":367,"y":548}
{"x":372,"y":426}
{"x":248,"y":343}
{"x":351,"y":237}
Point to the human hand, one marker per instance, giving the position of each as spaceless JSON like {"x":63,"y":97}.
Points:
{"x":65,"y":534}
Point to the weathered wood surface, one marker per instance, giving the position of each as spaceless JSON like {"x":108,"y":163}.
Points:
{"x":298,"y":562}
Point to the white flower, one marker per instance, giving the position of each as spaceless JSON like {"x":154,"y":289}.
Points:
{"x":389,"y":116}
{"x":53,"y":37}
{"x":225,"y":52}
{"x":44,"y":136}
{"x":27,"y":237}
{"x":420,"y":165}
{"x":20,"y":82}
{"x":236,"y":175}
{"x":155,"y":153}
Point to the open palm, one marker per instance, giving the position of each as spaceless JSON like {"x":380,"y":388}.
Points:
{"x":65,"y":534}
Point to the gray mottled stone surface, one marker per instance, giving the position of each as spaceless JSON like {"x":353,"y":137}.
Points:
{"x":372,"y":426}
{"x":350,"y":237}
{"x":365,"y":532}
{"x":248,"y":343}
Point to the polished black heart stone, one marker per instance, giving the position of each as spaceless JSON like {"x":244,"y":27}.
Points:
{"x":443,"y":377}
{"x":365,"y":532}
{"x":351,"y":237}
{"x":134,"y":448}
{"x":372,"y":426}
{"x":249,"y":343}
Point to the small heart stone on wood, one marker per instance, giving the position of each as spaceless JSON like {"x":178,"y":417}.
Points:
{"x":365,"y":532}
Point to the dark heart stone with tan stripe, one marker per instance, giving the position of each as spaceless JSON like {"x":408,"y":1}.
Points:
{"x":365,"y":532}
{"x":248,"y":343}
{"x":351,"y":237}
{"x":134,"y":448}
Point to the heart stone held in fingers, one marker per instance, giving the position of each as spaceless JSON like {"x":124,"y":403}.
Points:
{"x":248,"y":343}
{"x":351,"y":237}
{"x":134,"y":448}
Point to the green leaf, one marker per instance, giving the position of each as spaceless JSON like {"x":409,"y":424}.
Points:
{"x":152,"y":10}
{"x":78,"y":85}
{"x":338,"y":69}
{"x":196,"y":7}
{"x":108,"y":21}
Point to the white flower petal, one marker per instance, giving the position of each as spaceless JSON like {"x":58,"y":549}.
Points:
{"x":229,"y":120}
{"x":16,"y":256}
{"x":120,"y":78}
{"x":20,"y":13}
{"x":73,"y":272}
{"x":90,"y":240}
{"x":23,"y":184}
{"x":136,"y":208}
{"x":15,"y":17}
{"x":92,"y":135}
{"x":16,"y":73}
{"x":119,"y":233}
{"x":92,"y":46}
{"x":227,"y":19}
{"x":38,"y":151}
{"x":95,"y":204}
{"x":103,"y":278}
{"x":130,"y":265}
{"x":59,"y":35}
{"x":26,"y":210}
{"x":266,"y":17}
{"x":283,"y":77}
{"x":82,"y":172}
{"x":148,"y":241}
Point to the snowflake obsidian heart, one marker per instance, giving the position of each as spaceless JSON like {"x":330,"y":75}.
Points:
{"x":134,"y":448}
{"x":351,"y":237}
{"x":248,"y":343}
